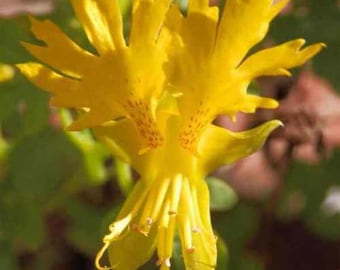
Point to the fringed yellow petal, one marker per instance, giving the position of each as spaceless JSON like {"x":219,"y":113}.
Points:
{"x":251,"y":102}
{"x":276,"y":60}
{"x":71,"y":93}
{"x":243,"y":24}
{"x":198,"y":6}
{"x":111,"y":13}
{"x":93,"y":118}
{"x":117,"y":137}
{"x":230,"y":104}
{"x":60,"y":52}
{"x":147,"y":20}
{"x":203,"y":7}
{"x":219,"y":146}
{"x":189,"y":50}
{"x":121,"y":81}
{"x":191,"y":56}
{"x":173,"y":18}
{"x":96,"y":23}
{"x":65,"y":90}
{"x":278,"y":6}
{"x":191,"y":31}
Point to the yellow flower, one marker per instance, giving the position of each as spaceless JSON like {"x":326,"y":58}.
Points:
{"x":152,"y":101}
{"x":6,"y":72}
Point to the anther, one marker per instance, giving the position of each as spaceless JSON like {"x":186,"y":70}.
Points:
{"x":196,"y":230}
{"x":142,"y":230}
{"x":190,"y":250}
{"x":134,"y":227}
{"x":166,"y":262}
{"x":149,"y":221}
{"x":172,"y":212}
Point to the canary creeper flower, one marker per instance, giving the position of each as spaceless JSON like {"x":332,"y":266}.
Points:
{"x":152,"y":98}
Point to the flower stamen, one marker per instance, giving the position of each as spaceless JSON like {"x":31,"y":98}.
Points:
{"x":176,"y":187}
{"x":164,"y":263}
{"x":188,"y":203}
{"x":196,"y":230}
{"x":187,"y":234}
{"x":166,"y":233}
{"x":153,"y":205}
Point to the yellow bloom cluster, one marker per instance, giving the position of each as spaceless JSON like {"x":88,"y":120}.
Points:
{"x":152,"y":97}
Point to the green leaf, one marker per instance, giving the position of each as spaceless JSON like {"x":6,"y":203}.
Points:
{"x":305,"y":188}
{"x":222,"y":254}
{"x":325,"y":220}
{"x":23,"y":108}
{"x":12,"y":32}
{"x":7,"y":256}
{"x":109,"y":218}
{"x":21,"y":221}
{"x":93,"y":153}
{"x":39,"y":165}
{"x":238,"y":225}
{"x":4,"y":147}
{"x":124,"y":176}
{"x":222,"y":196}
{"x":248,"y":262}
{"x":317,"y":22}
{"x":325,"y":225}
{"x":85,"y":231}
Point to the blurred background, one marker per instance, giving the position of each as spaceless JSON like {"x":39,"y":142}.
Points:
{"x":279,"y":209}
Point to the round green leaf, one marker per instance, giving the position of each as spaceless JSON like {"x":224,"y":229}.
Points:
{"x":222,"y":196}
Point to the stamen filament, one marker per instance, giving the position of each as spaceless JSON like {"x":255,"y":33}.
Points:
{"x":146,"y":215}
{"x":188,"y":203}
{"x":167,"y":223}
{"x":130,"y":202}
{"x":187,"y":236}
{"x":163,"y":190}
{"x":186,"y":217}
{"x":153,"y":205}
{"x":196,"y":209}
{"x":170,"y":236}
{"x":176,"y":187}
{"x":163,"y":238}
